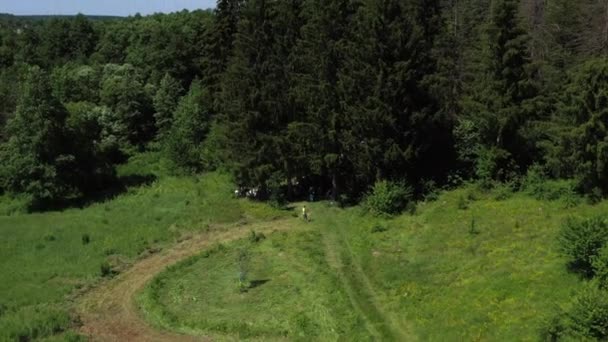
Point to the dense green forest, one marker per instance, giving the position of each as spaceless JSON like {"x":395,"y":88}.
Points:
{"x":298,"y":96}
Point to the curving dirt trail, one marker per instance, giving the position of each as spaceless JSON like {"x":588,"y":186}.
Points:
{"x":109,"y":312}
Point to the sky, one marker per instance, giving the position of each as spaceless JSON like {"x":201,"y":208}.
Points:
{"x":100,"y":7}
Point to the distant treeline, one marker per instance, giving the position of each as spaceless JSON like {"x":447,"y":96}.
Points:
{"x":57,"y":16}
{"x":328,"y":95}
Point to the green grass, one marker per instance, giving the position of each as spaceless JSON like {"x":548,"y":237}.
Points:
{"x":500,"y":281}
{"x":44,"y":260}
{"x":298,"y":296}
{"x":468,"y":266}
{"x":429,"y":276}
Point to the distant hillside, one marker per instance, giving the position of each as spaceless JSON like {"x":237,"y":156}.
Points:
{"x":44,"y":17}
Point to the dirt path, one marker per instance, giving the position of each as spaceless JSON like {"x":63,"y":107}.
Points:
{"x":361,"y":293}
{"x":109,"y":312}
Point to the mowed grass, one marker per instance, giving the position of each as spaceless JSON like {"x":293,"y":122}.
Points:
{"x":490,"y":272}
{"x":294,"y":293}
{"x":45,"y":259}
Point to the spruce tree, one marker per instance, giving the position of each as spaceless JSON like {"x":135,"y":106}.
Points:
{"x":191,"y":123}
{"x":256,"y":92}
{"x":392,"y":120}
{"x":319,"y":57}
{"x":165,"y":102}
{"x":499,"y":104}
{"x":219,"y":41}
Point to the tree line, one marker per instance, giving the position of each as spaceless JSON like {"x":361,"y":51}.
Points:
{"x":308,"y":95}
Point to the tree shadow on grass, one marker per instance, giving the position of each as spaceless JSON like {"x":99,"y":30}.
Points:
{"x":582,"y":269}
{"x":108,"y":190}
{"x":257,"y":283}
{"x":120,"y":186}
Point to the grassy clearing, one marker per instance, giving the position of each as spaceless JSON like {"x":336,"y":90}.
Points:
{"x":467,"y":266}
{"x":489,"y":270}
{"x":44,"y":257}
{"x":293,"y":294}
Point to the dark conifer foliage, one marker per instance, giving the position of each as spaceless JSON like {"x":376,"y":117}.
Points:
{"x":302,"y":96}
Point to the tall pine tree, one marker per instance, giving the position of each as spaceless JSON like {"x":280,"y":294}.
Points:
{"x":499,"y":105}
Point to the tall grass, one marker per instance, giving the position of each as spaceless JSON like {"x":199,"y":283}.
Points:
{"x":44,"y":260}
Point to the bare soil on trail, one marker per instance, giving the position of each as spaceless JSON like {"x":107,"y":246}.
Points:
{"x":109,"y":313}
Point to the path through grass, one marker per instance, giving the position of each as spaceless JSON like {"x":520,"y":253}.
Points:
{"x":363,"y":297}
{"x":45,"y":259}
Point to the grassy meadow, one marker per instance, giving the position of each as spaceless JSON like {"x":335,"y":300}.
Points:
{"x":292,"y":293}
{"x":491,"y":272}
{"x":465,"y":266}
{"x":485,"y":270}
{"x":47,"y":258}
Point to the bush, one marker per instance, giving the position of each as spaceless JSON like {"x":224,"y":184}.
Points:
{"x":534,"y":180}
{"x":378,"y":228}
{"x":571,"y":200}
{"x":430,"y":190}
{"x":388,"y":198}
{"x":554,"y":329}
{"x":595,"y":196}
{"x":106,"y":269}
{"x":588,"y":316}
{"x":600,"y":267}
{"x":536,"y":184}
{"x":256,"y":237}
{"x":503,"y":191}
{"x":494,"y":164}
{"x":582,"y":241}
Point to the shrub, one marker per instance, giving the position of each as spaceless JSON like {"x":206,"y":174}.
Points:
{"x":503,"y":192}
{"x":378,"y":228}
{"x":494,"y":164}
{"x":554,"y":329}
{"x":588,"y":316}
{"x":571,"y":200}
{"x":277,"y":197}
{"x":256,"y":237}
{"x":106,"y":269}
{"x":533,"y":181}
{"x":388,"y":198}
{"x":582,"y":241}
{"x":600,"y":267}
{"x":536,"y":184}
{"x":595,"y":196}
{"x":430,"y":190}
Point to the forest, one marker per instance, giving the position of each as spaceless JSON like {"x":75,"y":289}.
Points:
{"x":383,"y":103}
{"x":294,"y":95}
